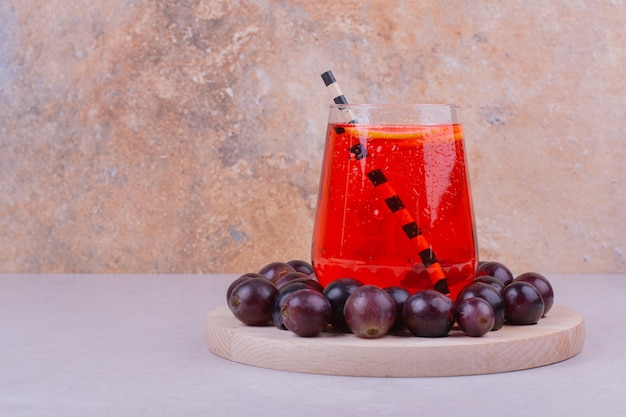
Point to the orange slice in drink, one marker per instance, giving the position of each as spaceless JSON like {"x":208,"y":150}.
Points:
{"x":409,"y":133}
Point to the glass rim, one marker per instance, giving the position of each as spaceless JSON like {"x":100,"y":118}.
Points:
{"x":395,"y":105}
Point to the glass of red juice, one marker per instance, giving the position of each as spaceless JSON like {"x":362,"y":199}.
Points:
{"x":394,"y":205}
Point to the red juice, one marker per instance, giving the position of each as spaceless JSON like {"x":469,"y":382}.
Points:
{"x":356,"y":232}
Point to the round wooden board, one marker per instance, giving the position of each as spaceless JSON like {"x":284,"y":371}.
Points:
{"x":558,"y":336}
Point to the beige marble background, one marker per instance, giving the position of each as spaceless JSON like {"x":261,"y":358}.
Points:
{"x":186,"y":136}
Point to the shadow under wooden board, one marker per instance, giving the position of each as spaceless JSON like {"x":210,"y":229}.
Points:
{"x":558,"y":336}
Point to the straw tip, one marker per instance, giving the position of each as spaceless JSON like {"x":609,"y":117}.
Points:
{"x":328,"y":78}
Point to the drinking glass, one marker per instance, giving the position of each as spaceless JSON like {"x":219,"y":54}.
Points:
{"x":394,"y":206}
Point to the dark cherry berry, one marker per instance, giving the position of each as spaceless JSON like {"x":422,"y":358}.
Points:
{"x":399,"y":296}
{"x":239,"y":280}
{"x":337,"y":293}
{"x":493,"y":281}
{"x":283,"y":292}
{"x":543,"y":285}
{"x":369,"y":312}
{"x":252,"y":301}
{"x":523,"y":303}
{"x":306,"y":312}
{"x":288,"y":277}
{"x":275,"y":270}
{"x":301,"y":266}
{"x":314,"y":284}
{"x":429,"y":313}
{"x":475,"y":316}
{"x":497,"y":270}
{"x":490,"y":294}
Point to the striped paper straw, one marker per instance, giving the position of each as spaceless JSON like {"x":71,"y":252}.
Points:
{"x":392,"y":199}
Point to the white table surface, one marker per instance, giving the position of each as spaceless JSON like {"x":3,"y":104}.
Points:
{"x":133,"y":345}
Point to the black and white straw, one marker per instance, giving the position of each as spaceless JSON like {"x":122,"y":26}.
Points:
{"x":391,"y":198}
